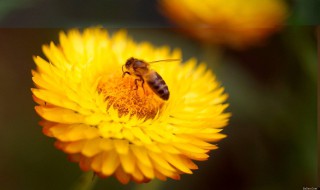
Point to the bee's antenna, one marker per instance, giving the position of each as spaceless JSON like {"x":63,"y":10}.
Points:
{"x":164,"y":60}
{"x":122,"y":69}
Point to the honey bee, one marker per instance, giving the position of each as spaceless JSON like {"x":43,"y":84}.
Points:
{"x":141,"y":69}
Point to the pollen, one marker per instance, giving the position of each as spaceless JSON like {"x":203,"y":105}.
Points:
{"x":129,"y":98}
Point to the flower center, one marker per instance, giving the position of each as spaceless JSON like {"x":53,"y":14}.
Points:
{"x":128,"y":98}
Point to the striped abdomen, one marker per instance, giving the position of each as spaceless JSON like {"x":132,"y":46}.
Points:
{"x":157,"y":84}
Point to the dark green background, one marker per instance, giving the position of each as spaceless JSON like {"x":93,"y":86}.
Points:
{"x":272,"y":135}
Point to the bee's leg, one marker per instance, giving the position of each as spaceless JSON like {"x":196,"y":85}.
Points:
{"x":142,"y":83}
{"x":136,"y":83}
{"x":124,"y":73}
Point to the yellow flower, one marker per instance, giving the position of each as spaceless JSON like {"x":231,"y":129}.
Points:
{"x":104,"y":123}
{"x":230,"y":22}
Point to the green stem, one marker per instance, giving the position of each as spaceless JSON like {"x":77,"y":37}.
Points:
{"x":302,"y":44}
{"x":86,"y":181}
{"x":154,"y":185}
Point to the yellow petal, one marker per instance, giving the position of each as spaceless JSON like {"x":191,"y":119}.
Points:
{"x":110,"y":162}
{"x":122,"y":176}
{"x":97,"y":161}
{"x":138,"y":176}
{"x":106,"y":144}
{"x":59,"y":115}
{"x":75,"y":132}
{"x":74,"y":147}
{"x":127,"y":162}
{"x":121,"y":146}
{"x":141,"y":154}
{"x":177,"y":162}
{"x":90,"y":148}
{"x":159,"y":160}
{"x":147,"y":171}
{"x":138,"y":133}
{"x":189,"y":148}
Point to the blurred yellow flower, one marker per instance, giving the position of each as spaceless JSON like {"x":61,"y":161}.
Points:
{"x":106,"y":125}
{"x":234,"y":23}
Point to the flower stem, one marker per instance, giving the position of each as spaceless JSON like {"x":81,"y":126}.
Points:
{"x":154,"y":185}
{"x":302,"y":44}
{"x":86,"y":181}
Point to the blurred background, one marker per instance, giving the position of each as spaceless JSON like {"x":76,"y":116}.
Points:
{"x":271,"y":79}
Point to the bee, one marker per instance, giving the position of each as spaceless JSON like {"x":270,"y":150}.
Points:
{"x":141,"y":69}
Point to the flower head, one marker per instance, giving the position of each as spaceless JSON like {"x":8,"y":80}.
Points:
{"x":229,"y":22}
{"x":112,"y":124}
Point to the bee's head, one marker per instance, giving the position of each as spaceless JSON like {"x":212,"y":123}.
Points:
{"x":130,"y":63}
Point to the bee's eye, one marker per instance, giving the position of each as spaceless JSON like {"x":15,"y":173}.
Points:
{"x":128,"y":63}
